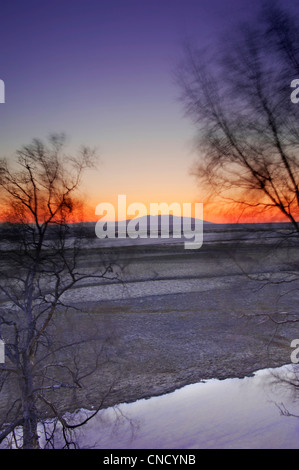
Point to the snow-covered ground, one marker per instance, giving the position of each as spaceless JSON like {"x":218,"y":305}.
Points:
{"x":232,"y":413}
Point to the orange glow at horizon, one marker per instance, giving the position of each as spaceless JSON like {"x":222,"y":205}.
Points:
{"x":222,"y":214}
{"x":216,"y":213}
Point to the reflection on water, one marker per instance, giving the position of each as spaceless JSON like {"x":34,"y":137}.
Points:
{"x":232,"y":413}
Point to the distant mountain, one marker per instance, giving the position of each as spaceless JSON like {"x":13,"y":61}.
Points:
{"x":160,"y":222}
{"x":163,"y":219}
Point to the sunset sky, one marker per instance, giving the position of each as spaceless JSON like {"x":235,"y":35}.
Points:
{"x":102,"y":72}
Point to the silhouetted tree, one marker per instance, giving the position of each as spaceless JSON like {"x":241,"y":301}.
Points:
{"x":247,"y":126}
{"x":239,"y":98}
{"x":39,"y":264}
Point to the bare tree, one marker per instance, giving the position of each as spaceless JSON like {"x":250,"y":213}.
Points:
{"x":239,"y":99}
{"x":247,"y":136}
{"x":247,"y":126}
{"x":39,"y":264}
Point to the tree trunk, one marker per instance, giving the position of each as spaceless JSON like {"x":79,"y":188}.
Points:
{"x":30,"y":421}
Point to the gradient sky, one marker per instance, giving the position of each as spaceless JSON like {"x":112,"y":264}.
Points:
{"x":101,"y":71}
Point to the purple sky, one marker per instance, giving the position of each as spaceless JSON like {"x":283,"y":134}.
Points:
{"x":101,"y":71}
